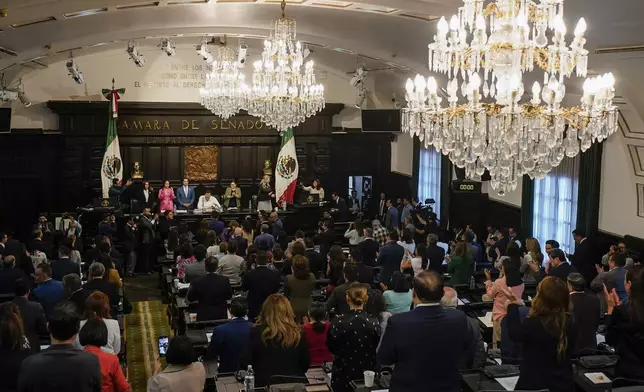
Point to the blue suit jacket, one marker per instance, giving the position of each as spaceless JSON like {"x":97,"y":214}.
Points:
{"x":49,"y":294}
{"x":230,"y":342}
{"x":181,"y":197}
{"x":427,"y":346}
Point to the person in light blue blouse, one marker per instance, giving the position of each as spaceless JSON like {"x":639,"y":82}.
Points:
{"x":398,"y":299}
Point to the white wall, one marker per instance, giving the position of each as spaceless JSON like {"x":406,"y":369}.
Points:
{"x":163,"y":79}
{"x":402,"y":155}
{"x":512,"y":198}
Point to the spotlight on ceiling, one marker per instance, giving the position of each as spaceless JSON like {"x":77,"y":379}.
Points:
{"x":395,"y":101}
{"x":361,"y":97}
{"x":168,"y":47}
{"x":135,"y":55}
{"x":359,"y":77}
{"x":202,"y":50}
{"x":73,"y":70}
{"x":306,"y":52}
{"x":241,"y":53}
{"x":23,"y":99}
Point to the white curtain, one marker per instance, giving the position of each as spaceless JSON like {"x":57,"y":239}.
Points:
{"x":429,"y":177}
{"x":555,"y":205}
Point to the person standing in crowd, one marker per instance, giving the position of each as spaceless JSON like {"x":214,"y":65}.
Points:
{"x":550,"y":245}
{"x":533,"y":254}
{"x":369,"y":248}
{"x":584,"y":259}
{"x":278,"y":345}
{"x":64,"y":265}
{"x":586,"y":314}
{"x":625,"y":323}
{"x":412,"y":339}
{"x":354,"y":203}
{"x":299,"y":286}
{"x":390,"y":257}
{"x":380,"y":232}
{"x":61,"y":367}
{"x":184,"y":372}
{"x":355,"y":233}
{"x":48,"y":292}
{"x":509,"y":281}
{"x":32,"y":313}
{"x":14,"y":348}
{"x":97,"y":306}
{"x":215,"y":224}
{"x":108,"y":226}
{"x":557,"y":266}
{"x":9,"y":274}
{"x":242,"y":242}
{"x":317,"y":263}
{"x":547,"y":336}
{"x":335,"y":264}
{"x":614,"y":278}
{"x":419,"y":261}
{"x":353,"y":338}
{"x":97,"y":282}
{"x":260,"y":283}
{"x":365,"y":273}
{"x":435,"y":254}
{"x":325,"y":237}
{"x":197,"y":269}
{"x":265,"y":241}
{"x":130,"y":242}
{"x":476,"y":355}
{"x":187,"y":257}
{"x":391,"y":218}
{"x":146,"y":224}
{"x":621,"y":248}
{"x":231,"y":264}
{"x":166,"y":197}
{"x":94,"y":335}
{"x":316,"y":331}
{"x":338,"y":206}
{"x":231,"y":340}
{"x":460,"y":265}
{"x":399,"y":298}
{"x":212,"y":292}
{"x":382,"y":207}
{"x":406,"y":210}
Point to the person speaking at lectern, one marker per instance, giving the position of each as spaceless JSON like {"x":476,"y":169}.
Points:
{"x":185,"y":196}
{"x":315,"y":189}
{"x":232,"y":197}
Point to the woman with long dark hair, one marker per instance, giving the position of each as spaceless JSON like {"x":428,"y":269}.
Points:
{"x":353,"y":339}
{"x":509,"y":281}
{"x":420,"y":261}
{"x":355,"y":232}
{"x":187,"y":257}
{"x":14,"y":347}
{"x":548,"y":338}
{"x":278,"y":346}
{"x":299,"y":286}
{"x":460,"y":265}
{"x":316,"y":331}
{"x":398,"y":299}
{"x":625,"y":323}
{"x":336,"y":263}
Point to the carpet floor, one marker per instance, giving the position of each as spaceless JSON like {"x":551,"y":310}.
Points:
{"x":144,"y":325}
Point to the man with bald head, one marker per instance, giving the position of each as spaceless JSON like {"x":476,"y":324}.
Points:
{"x":428,"y":344}
{"x":475,"y":358}
{"x":242,"y":243}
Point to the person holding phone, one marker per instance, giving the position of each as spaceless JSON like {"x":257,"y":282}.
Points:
{"x":183,"y":373}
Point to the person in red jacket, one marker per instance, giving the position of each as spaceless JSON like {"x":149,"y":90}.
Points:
{"x":315,"y":332}
{"x":93,"y":336}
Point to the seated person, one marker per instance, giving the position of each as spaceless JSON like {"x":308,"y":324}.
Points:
{"x":230,"y":341}
{"x":208,"y":202}
{"x":93,"y":336}
{"x":48,"y":292}
{"x":9,"y":274}
{"x":232,"y":197}
{"x":212,"y":291}
{"x":184,"y":372}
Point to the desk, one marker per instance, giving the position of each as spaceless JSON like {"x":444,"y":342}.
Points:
{"x":228,"y":383}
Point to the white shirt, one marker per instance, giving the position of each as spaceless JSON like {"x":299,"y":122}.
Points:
{"x":113,"y":336}
{"x":186,"y":190}
{"x":146,"y":193}
{"x":211,"y":203}
{"x":417,"y":265}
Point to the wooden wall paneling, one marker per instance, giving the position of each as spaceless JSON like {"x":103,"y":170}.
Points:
{"x":173,"y":169}
{"x":153,"y":168}
{"x":248,"y":167}
{"x":227,"y":164}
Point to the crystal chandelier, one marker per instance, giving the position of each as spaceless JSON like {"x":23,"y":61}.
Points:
{"x":225,"y":92}
{"x":284,"y":92}
{"x":494,"y":130}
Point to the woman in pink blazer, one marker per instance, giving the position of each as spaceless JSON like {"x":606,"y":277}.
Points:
{"x":166,"y":197}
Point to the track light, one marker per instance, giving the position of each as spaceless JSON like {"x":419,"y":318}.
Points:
{"x":361,"y":97}
{"x":241,"y":53}
{"x":22,"y":97}
{"x":137,"y":57}
{"x":202,"y":50}
{"x":395,"y":101}
{"x":73,"y":70}
{"x":359,"y":77}
{"x":168,"y":47}
{"x":306,"y":52}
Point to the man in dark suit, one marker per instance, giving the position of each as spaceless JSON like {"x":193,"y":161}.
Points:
{"x":229,"y":342}
{"x":3,"y":243}
{"x":130,"y":246}
{"x":33,"y":316}
{"x":61,"y":367}
{"x":48,"y":292}
{"x":64,"y":265}
{"x":90,"y":254}
{"x":38,"y":243}
{"x":185,"y":196}
{"x":108,"y":226}
{"x":9,"y":274}
{"x":74,"y":290}
{"x":557,"y":266}
{"x":369,"y":248}
{"x":212,"y":292}
{"x":96,"y":282}
{"x":325,"y":237}
{"x":502,"y":243}
{"x":391,"y":217}
{"x":382,"y":207}
{"x":337,"y":301}
{"x":365,"y":272}
{"x":338,"y":206}
{"x":390,"y":258}
{"x":585,"y":311}
{"x":428,"y":344}
{"x":317,"y":263}
{"x":146,"y":227}
{"x":584,"y":259}
{"x":613,"y":279}
{"x":475,"y":357}
{"x":354,"y":203}
{"x":260,"y":283}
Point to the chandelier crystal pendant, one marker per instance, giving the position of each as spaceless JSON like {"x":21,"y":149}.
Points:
{"x":494,"y":129}
{"x":284,"y":91}
{"x":225,"y":92}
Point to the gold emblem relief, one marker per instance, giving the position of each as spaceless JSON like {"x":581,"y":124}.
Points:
{"x":201,"y":162}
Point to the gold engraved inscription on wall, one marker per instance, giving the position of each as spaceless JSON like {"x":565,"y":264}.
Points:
{"x":200,"y":162}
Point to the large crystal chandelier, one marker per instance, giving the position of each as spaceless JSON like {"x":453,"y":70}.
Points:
{"x":284,"y":92}
{"x":490,"y":48}
{"x":225,"y":92}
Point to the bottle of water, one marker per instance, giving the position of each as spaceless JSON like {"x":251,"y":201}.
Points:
{"x":472,"y":283}
{"x":249,"y":380}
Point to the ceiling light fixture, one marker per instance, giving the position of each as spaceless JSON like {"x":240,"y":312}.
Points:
{"x":135,"y":55}
{"x":284,"y":91}
{"x":168,"y":47}
{"x":73,"y":70}
{"x":495,"y":130}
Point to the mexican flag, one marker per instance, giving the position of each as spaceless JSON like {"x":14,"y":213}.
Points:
{"x":286,"y":169}
{"x":112,"y":166}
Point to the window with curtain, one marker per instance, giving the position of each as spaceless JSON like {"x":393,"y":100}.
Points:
{"x":429,"y":177}
{"x":555,"y":205}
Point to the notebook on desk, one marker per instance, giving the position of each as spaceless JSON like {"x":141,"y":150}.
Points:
{"x":487,"y":319}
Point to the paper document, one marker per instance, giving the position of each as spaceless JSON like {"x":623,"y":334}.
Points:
{"x":601,"y":338}
{"x":509,"y":383}
{"x":460,"y":303}
{"x":487,"y":319}
{"x":208,"y":336}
